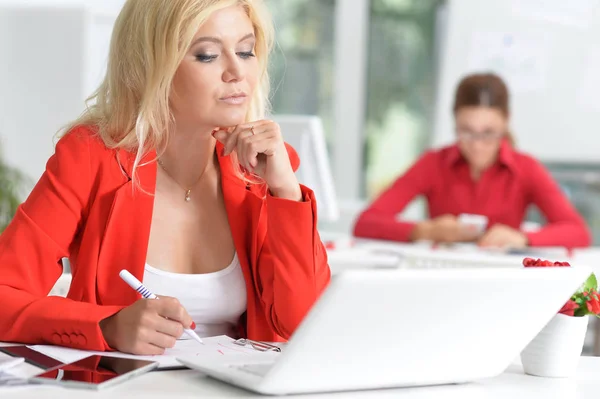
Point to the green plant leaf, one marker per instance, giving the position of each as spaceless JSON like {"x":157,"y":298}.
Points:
{"x":13,"y":185}
{"x":591,"y":283}
{"x":580,"y":312}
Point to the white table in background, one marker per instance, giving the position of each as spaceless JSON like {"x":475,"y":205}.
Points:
{"x":359,"y":253}
{"x":512,"y":384}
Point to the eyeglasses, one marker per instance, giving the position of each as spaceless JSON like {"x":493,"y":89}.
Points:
{"x":487,"y":136}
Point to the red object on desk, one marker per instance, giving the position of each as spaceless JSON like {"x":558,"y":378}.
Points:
{"x":531,"y":262}
{"x":334,"y":244}
{"x":503,"y":194}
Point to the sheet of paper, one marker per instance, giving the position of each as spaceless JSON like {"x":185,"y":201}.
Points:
{"x":520,"y":59}
{"x":221,"y":348}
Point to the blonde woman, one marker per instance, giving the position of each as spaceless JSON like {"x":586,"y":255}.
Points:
{"x":174,"y":175}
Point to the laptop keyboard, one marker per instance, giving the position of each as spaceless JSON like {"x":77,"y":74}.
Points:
{"x":259,"y":369}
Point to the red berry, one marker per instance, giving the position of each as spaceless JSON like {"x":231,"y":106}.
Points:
{"x":531,"y":262}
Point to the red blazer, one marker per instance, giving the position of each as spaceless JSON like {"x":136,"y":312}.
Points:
{"x":503,"y":194}
{"x":85,"y":208}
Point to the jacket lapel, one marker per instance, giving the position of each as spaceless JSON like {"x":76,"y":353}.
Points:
{"x":244,"y":211}
{"x":127,"y":232}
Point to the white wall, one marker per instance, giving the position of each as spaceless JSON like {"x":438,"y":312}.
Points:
{"x":52,"y":56}
{"x":100,"y":5}
{"x":548,"y":52}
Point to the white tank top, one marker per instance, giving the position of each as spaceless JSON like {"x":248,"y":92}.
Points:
{"x":215,"y":301}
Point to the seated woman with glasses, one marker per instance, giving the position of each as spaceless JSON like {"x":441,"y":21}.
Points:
{"x":482,"y":174}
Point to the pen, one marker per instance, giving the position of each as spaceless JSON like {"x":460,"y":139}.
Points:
{"x":11,"y":363}
{"x":139,"y":287}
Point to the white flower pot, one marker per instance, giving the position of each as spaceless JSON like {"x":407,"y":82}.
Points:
{"x":555,"y":351}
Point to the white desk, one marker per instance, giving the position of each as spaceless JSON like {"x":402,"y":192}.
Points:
{"x":512,"y":384}
{"x":359,"y":253}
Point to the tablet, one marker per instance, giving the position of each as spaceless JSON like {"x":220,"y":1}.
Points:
{"x":32,"y":357}
{"x":94,"y":372}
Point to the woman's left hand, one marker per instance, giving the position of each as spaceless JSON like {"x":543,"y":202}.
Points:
{"x":261,"y":150}
{"x":503,"y":236}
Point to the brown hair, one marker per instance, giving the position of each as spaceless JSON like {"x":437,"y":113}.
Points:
{"x":486,"y":90}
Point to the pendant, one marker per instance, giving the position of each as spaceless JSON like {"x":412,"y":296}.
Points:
{"x":188,"y":197}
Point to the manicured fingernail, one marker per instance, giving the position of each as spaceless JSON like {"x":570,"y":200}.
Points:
{"x":193,"y":326}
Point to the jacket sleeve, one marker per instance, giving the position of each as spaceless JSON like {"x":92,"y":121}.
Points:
{"x":379,"y":220}
{"x":31,"y":249}
{"x":292,"y":265}
{"x":565,"y":227}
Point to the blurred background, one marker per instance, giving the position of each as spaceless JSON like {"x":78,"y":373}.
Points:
{"x":380,"y":74}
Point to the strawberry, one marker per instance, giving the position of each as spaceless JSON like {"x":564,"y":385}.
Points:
{"x":528,"y":262}
{"x":531,"y":262}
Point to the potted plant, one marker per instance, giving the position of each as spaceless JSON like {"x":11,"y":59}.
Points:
{"x":13,"y":184}
{"x":555,"y":351}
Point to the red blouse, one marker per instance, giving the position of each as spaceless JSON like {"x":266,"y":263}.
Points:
{"x":503,"y":194}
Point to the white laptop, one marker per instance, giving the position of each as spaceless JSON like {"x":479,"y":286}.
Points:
{"x":398,"y":328}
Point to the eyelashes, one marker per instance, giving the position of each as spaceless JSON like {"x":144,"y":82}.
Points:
{"x":207,"y":58}
{"x":246,"y":54}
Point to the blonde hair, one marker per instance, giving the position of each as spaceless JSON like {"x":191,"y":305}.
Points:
{"x":130,"y":110}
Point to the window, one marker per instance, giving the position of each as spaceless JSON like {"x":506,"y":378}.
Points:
{"x":400,"y":87}
{"x":369,"y":77}
{"x":302,"y":62}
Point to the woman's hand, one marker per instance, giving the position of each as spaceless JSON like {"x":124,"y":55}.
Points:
{"x":147,"y":327}
{"x":444,"y":229}
{"x":503,"y":236}
{"x":261,"y":150}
